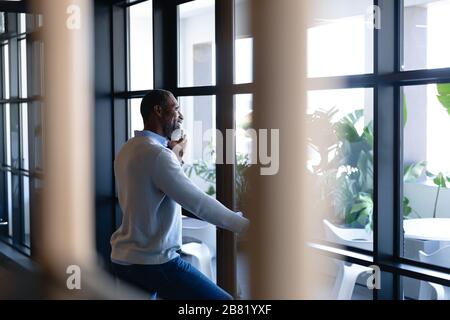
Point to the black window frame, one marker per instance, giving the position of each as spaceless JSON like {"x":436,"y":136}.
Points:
{"x":387,"y":81}
{"x":165,"y":47}
{"x":13,"y":37}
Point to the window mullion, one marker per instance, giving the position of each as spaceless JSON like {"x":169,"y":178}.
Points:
{"x":226,"y":240}
{"x":387,"y":118}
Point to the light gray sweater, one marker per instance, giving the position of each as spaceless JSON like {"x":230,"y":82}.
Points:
{"x":151,"y":187}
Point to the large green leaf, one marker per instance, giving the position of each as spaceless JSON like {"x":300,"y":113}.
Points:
{"x":444,"y":95}
{"x":358,"y":207}
{"x":406,"y":207}
{"x":345,"y":130}
{"x":368,"y":134}
{"x":414,"y":171}
{"x":440,"y":180}
{"x":443,"y":89}
{"x":350,"y":218}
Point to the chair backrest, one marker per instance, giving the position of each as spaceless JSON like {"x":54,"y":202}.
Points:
{"x":352,"y":237}
{"x":440,"y":257}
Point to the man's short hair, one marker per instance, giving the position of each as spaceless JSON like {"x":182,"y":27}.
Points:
{"x":153,"y":98}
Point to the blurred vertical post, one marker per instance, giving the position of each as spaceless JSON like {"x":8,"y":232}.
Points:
{"x":281,"y":215}
{"x":65,"y":225}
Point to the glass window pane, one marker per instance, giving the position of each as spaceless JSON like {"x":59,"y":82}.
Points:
{"x":245,"y":151}
{"x":26,"y":210}
{"x":141,"y":46}
{"x":6,"y":93}
{"x":16,"y":196}
{"x":2,"y":22}
{"x":22,"y":22}
{"x":36,"y":137}
{"x":246,"y":137}
{"x":3,"y":205}
{"x":23,"y":68}
{"x":414,"y":289}
{"x":136,"y":122}
{"x":340,"y":42}
{"x":196,"y":55}
{"x":340,"y":163}
{"x":243,"y":46}
{"x":37,"y":69}
{"x":24,"y":136}
{"x":426,"y":203}
{"x":199,"y":125}
{"x":9,"y":202}
{"x":15,"y":136}
{"x":426,"y":25}
{"x":7,"y":159}
{"x":7,"y":132}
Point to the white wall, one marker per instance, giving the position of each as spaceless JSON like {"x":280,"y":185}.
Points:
{"x":422,"y":197}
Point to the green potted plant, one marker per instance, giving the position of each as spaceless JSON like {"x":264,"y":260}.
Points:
{"x":345,"y":170}
{"x":207,"y":172}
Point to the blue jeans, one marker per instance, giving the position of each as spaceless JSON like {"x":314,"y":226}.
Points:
{"x":173,"y":280}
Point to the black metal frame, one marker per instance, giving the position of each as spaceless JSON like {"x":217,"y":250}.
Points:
{"x":387,"y":81}
{"x":15,"y":101}
{"x":111,"y":131}
{"x":165,"y":35}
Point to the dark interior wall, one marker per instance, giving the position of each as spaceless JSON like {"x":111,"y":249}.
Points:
{"x":104,"y":131}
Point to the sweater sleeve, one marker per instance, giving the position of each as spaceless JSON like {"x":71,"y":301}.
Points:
{"x":170,"y":178}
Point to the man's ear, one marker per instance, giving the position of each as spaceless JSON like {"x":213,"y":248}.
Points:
{"x":158,"y":110}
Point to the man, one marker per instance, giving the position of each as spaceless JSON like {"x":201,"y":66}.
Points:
{"x":151,"y":187}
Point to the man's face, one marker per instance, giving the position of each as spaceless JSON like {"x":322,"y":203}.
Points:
{"x":172,"y":117}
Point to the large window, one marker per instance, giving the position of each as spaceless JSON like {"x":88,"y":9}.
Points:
{"x":377,"y":145}
{"x":141,"y":46}
{"x":21,"y":126}
{"x":339,"y":41}
{"x":196,"y":62}
{"x":425,"y":26}
{"x":196,"y":46}
{"x":375,"y":95}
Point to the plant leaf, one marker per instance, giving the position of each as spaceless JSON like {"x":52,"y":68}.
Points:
{"x":440,"y":180}
{"x":430,"y":174}
{"x":406,"y":207}
{"x":368,"y":134}
{"x":414,"y":171}
{"x":358,"y":207}
{"x":443,"y":89}
{"x":405,"y":111}
{"x":444,"y":95}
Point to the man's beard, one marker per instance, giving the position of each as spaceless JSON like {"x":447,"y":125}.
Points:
{"x":170,"y":128}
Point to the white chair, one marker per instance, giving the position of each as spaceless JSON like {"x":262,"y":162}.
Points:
{"x":198,"y":255}
{"x":195,"y":230}
{"x":440,"y":257}
{"x":348,"y":273}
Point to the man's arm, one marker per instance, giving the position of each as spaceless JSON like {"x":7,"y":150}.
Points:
{"x":170,"y":178}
